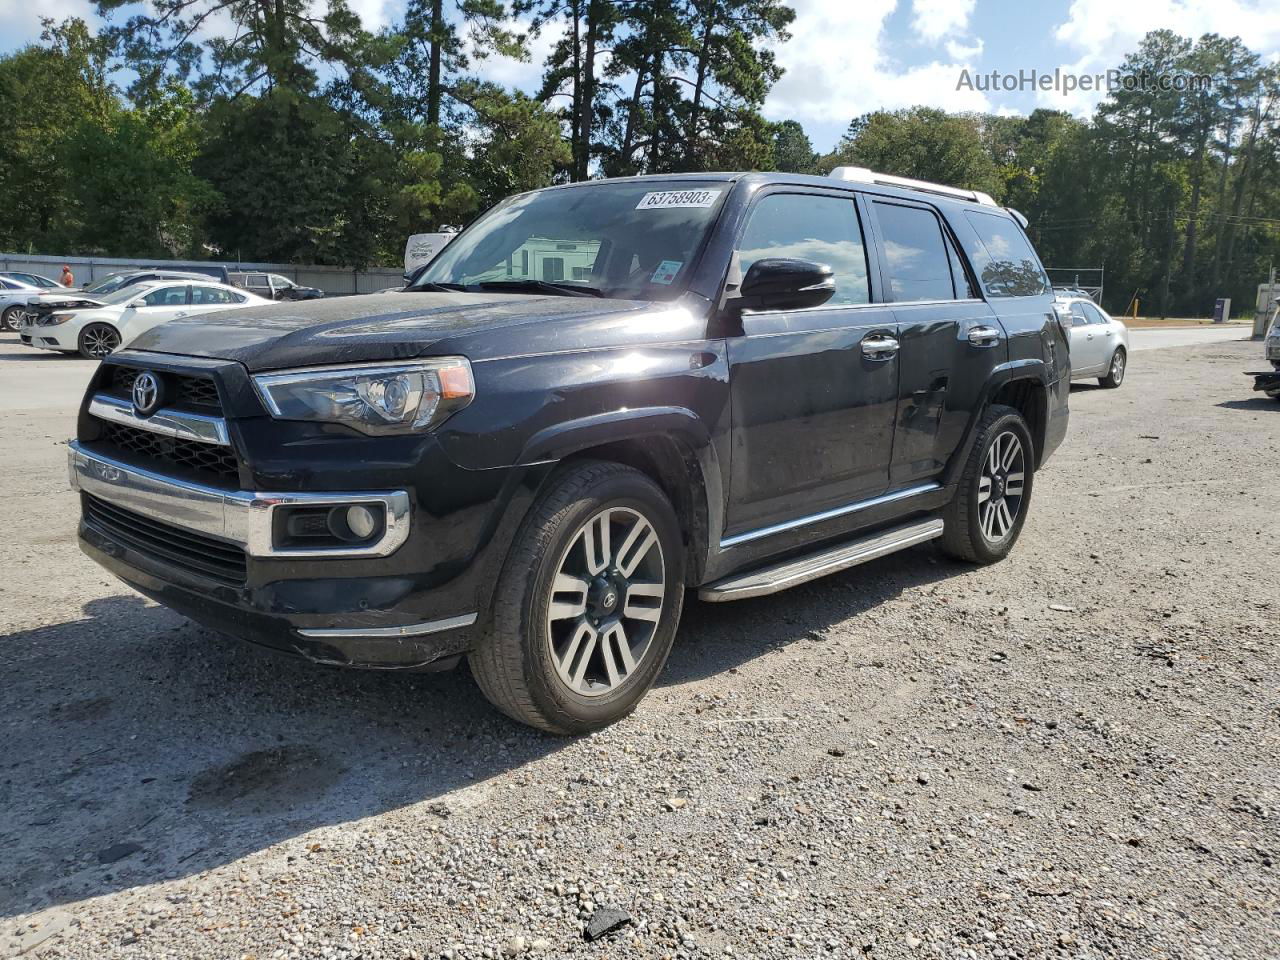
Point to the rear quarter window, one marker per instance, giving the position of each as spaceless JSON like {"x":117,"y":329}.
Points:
{"x":1003,"y":259}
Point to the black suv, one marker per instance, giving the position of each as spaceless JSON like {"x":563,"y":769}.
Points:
{"x":597,"y":396}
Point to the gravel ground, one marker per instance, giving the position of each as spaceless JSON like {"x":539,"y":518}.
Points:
{"x":1071,"y":754}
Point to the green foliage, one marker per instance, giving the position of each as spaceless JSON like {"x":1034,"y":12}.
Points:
{"x":921,"y":142}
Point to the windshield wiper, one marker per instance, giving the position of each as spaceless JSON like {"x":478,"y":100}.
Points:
{"x":438,"y":287}
{"x":545,"y":286}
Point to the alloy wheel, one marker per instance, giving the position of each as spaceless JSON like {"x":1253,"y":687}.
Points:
{"x":100,"y":341}
{"x":607,"y":599}
{"x":1117,"y":367}
{"x":1000,"y":486}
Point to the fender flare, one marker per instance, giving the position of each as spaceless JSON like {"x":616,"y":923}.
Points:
{"x":1034,"y":370}
{"x":690,"y":433}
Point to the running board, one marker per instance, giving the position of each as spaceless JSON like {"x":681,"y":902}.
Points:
{"x":791,"y":573}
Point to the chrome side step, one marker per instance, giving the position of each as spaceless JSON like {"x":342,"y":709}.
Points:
{"x":791,"y":573}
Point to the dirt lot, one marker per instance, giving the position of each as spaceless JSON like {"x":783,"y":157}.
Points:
{"x":1072,"y":754}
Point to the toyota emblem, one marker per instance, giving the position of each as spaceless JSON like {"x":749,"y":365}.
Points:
{"x":146,"y":393}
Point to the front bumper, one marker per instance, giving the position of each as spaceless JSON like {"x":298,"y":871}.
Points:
{"x":348,"y":607}
{"x":1268,"y":381}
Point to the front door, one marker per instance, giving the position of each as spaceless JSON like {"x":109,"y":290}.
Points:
{"x":813,"y":391}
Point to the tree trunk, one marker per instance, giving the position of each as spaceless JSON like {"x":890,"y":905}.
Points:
{"x":433,"y":76}
{"x":655,"y":143}
{"x":704,"y":62}
{"x":582,"y":161}
{"x":575,"y":118}
{"x":633,"y":116}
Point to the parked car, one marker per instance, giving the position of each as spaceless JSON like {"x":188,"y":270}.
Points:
{"x":96,"y":327}
{"x":1099,"y":342}
{"x":756,"y":380}
{"x":273,"y":286}
{"x":14,"y":294}
{"x":1268,"y":381}
{"x":35,"y":280}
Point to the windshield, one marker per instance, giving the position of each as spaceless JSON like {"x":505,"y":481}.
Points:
{"x":123,"y":295}
{"x":632,"y":240}
{"x":108,"y":283}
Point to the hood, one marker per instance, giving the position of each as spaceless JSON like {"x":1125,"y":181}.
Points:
{"x":400,"y":326}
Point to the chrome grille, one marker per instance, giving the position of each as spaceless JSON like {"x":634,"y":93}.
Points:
{"x":186,"y":549}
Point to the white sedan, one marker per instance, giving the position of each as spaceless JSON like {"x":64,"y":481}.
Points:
{"x":1099,"y":342}
{"x":97,"y":326}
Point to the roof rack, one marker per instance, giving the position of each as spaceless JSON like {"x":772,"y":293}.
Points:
{"x":865,"y":175}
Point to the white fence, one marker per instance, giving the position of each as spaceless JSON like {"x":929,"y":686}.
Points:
{"x":334,"y":281}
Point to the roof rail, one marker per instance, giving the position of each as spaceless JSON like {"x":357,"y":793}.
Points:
{"x":865,"y":175}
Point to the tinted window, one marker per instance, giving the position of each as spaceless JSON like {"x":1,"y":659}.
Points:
{"x":1078,"y":317}
{"x":1004,"y":260}
{"x":964,"y":287}
{"x":803,"y":227}
{"x":210,"y":295}
{"x":166,"y":297}
{"x":1093,"y":313}
{"x":915,"y":254}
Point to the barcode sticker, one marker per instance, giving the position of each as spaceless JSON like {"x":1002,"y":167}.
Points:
{"x":674,"y":199}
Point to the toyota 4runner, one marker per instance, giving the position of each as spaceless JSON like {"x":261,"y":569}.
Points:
{"x":597,"y":396}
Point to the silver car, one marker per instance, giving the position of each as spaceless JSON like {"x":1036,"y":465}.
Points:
{"x":14,"y":294}
{"x":1099,"y":342}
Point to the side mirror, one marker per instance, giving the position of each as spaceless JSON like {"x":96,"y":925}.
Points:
{"x":134,"y":304}
{"x":778,"y":283}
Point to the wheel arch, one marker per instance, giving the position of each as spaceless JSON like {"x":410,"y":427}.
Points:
{"x":1022,"y":385}
{"x":670,"y":445}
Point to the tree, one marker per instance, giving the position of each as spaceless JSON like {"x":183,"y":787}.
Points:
{"x":792,"y":149}
{"x":46,"y":92}
{"x":920,"y":142}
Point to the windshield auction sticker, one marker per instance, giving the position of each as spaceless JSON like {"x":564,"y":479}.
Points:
{"x":674,"y":199}
{"x":666,"y":272}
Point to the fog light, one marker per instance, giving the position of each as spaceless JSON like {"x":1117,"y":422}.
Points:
{"x":361,"y":521}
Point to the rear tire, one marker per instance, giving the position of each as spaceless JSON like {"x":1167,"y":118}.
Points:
{"x":588,"y":602}
{"x":98,"y":340}
{"x":985,"y":517}
{"x":1115,"y":371}
{"x":11,"y":317}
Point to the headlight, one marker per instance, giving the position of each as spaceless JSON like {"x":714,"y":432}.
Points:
{"x":56,"y":318}
{"x":374,"y":399}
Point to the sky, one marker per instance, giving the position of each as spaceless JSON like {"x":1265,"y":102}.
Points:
{"x":847,"y":57}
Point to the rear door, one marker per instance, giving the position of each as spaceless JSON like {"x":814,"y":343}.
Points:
{"x":813,"y":391}
{"x":207,"y":299}
{"x":1088,"y":338}
{"x":951,"y":339}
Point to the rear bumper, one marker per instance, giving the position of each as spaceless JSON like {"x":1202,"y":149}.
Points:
{"x":1268,"y":381}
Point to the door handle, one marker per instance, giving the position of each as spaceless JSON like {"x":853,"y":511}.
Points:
{"x":182,"y":313}
{"x":877,"y":346}
{"x":984,"y":336}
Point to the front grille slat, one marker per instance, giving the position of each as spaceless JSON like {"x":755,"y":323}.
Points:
{"x":181,"y":389}
{"x":209,"y":461}
{"x":223,"y":552}
{"x":186,"y":549}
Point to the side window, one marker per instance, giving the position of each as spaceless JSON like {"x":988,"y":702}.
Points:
{"x":1006,"y":264}
{"x":1078,"y":316}
{"x":166,"y":297}
{"x":800,"y":226}
{"x":916,"y":255}
{"x":1093,"y":313}
{"x":965,"y":289}
{"x":209,"y":295}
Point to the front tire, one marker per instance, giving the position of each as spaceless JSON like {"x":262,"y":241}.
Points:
{"x":588,"y":602}
{"x":98,"y":340}
{"x":985,"y":517}
{"x":1115,"y":372}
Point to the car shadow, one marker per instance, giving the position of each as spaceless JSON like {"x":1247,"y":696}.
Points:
{"x":1252,"y":403}
{"x":715,"y":637}
{"x":143,"y":748}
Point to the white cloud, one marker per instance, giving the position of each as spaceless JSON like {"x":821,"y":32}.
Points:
{"x":523,"y":75}
{"x":837,"y":68}
{"x":936,"y":19}
{"x":1098,"y":34}
{"x":959,"y":50}
{"x":20,"y":19}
